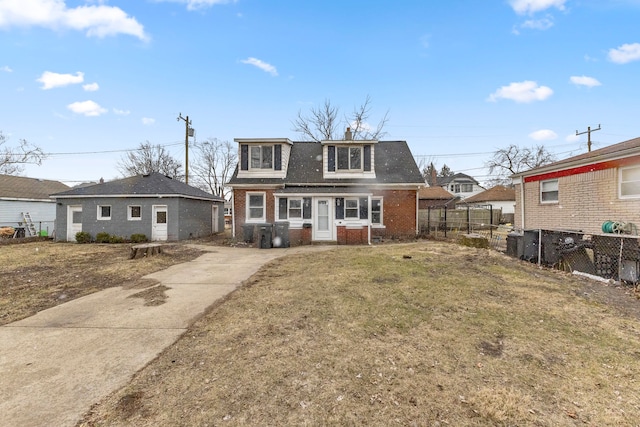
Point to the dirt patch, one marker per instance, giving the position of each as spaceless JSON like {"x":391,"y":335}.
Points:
{"x":153,"y":296}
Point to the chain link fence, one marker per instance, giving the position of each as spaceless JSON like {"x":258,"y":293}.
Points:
{"x":608,"y":255}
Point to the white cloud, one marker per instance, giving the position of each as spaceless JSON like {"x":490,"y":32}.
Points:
{"x":147,"y":121}
{"x":584,"y":81}
{"x":52,"y":80}
{"x":267,"y":68}
{"x":97,"y":20}
{"x":543,"y":135}
{"x":121,"y":112}
{"x":572,"y":138}
{"x":6,"y":69}
{"x":538,"y":24}
{"x":524,"y":92}
{"x":523,"y":7}
{"x":626,"y":53}
{"x":87,"y":108}
{"x":199,"y":4}
{"x":91,"y":87}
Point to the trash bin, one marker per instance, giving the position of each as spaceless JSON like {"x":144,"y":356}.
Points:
{"x":247,"y":233}
{"x":281,"y":234}
{"x":264,"y":235}
{"x":513,"y":241}
{"x":530,"y":245}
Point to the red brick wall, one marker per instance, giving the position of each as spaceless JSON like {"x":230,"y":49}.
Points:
{"x":240,"y":204}
{"x":399,"y":215}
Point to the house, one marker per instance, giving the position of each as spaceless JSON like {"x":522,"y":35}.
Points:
{"x":581,"y":192}
{"x":342,"y":191}
{"x":25,"y":204}
{"x":498,"y":197}
{"x":460,"y":185}
{"x":155,"y":205}
{"x":436,"y":197}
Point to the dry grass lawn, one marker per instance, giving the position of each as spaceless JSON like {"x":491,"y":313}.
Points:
{"x":39,"y":275}
{"x":425,"y":334}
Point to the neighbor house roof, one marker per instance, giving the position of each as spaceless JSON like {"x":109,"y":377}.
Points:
{"x":394,"y":164}
{"x":20,"y":187}
{"x":458,"y":177}
{"x":151,"y":185}
{"x":621,"y":150}
{"x":435,"y":193}
{"x":499,"y":193}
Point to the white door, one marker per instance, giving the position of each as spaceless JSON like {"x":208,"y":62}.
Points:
{"x":323,"y":225}
{"x":214,"y":219}
{"x":159,"y":224}
{"x":74,"y":222}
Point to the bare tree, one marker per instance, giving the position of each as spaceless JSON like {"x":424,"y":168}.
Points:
{"x":513,"y":159}
{"x":323,"y":123}
{"x":13,"y":159}
{"x":150,"y":158}
{"x":213,"y":166}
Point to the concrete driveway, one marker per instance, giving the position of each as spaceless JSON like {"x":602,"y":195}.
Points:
{"x":56,"y":364}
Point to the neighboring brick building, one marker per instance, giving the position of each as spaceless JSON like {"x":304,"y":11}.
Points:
{"x":582,"y":192}
{"x":345,"y":191}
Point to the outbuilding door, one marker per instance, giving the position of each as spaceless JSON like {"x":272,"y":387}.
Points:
{"x":214,"y":219}
{"x":159,"y":224}
{"x":74,"y":222}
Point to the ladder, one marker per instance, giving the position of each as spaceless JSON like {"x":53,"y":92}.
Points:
{"x":29,"y":223}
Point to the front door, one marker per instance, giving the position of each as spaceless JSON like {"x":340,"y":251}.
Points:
{"x":323,"y":227}
{"x":159,"y":225}
{"x":74,"y":222}
{"x":214,"y":219}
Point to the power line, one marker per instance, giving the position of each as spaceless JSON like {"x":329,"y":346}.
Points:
{"x":78,"y":153}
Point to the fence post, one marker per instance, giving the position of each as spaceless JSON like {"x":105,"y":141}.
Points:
{"x":445,"y":222}
{"x":468,"y":219}
{"x":491,"y":221}
{"x":428,"y":220}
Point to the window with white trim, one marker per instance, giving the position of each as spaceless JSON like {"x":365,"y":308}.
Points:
{"x":255,"y":207}
{"x":630,"y":182}
{"x":376,"y":211}
{"x":261,"y":157}
{"x":349,"y":158}
{"x":549,"y":191}
{"x":351,"y":209}
{"x":134,"y":213}
{"x":104,"y":212}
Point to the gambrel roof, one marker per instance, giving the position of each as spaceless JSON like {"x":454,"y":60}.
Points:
{"x":151,"y":185}
{"x":22,"y":188}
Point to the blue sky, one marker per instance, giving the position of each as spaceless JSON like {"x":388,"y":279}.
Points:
{"x":459,"y":79}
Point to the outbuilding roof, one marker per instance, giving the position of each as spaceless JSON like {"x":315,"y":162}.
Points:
{"x":151,"y":185}
{"x":20,"y":187}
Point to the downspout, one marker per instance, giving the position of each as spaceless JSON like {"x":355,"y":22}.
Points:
{"x":522,"y":202}
{"x":233,"y":215}
{"x":418,"y":211}
{"x":369,"y":220}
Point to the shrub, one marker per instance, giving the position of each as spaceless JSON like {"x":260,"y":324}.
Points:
{"x":138,"y":238}
{"x":83,"y":237}
{"x":103,"y":237}
{"x":116,"y":239}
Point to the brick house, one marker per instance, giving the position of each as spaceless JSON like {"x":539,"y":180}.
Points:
{"x":342,"y":191}
{"x":581,"y":192}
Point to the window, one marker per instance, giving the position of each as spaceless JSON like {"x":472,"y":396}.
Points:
{"x":466,"y":188}
{"x":261,"y":157}
{"x":351,"y":209}
{"x":376,"y":211}
{"x":135,"y":213}
{"x":349,"y":158}
{"x":295,"y":208}
{"x":549,"y":191}
{"x":255,"y":207}
{"x":104,"y":212}
{"x":630,"y":182}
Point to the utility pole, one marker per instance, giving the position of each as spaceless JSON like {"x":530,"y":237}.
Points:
{"x":187,"y":124}
{"x":588,"y":132}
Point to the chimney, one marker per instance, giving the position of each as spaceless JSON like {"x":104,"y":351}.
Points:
{"x":434,"y":176}
{"x":347,"y":135}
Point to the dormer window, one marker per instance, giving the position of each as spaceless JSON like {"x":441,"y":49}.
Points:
{"x":262,"y":157}
{"x":349,"y":158}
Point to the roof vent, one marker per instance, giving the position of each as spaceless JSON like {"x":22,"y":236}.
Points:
{"x":347,"y":135}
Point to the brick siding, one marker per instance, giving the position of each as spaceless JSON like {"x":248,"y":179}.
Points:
{"x":585,"y":201}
